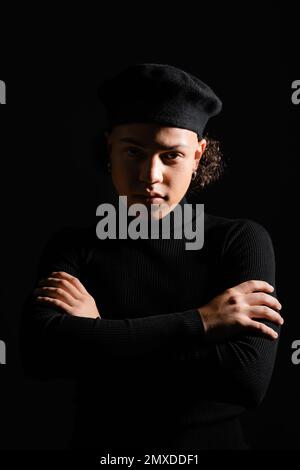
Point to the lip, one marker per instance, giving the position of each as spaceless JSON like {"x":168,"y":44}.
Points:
{"x":151,"y":196}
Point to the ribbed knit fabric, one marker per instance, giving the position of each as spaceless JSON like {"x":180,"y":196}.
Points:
{"x":147,"y":376}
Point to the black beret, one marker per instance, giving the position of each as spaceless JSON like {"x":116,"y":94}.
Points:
{"x":159,"y":93}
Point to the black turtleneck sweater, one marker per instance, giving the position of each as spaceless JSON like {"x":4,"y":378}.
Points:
{"x":147,"y":376}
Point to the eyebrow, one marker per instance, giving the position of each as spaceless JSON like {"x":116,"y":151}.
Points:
{"x":140,"y":144}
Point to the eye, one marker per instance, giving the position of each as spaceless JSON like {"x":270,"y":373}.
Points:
{"x":132,"y":151}
{"x":171,"y":155}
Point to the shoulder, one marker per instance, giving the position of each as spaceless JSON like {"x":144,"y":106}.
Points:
{"x":68,"y":242}
{"x":65,"y":250}
{"x":235,"y":232}
{"x":245,"y":250}
{"x":71,"y":235}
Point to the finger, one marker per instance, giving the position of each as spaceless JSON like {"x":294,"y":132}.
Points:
{"x":254,"y":285}
{"x":74,"y":280}
{"x":55,"y":303}
{"x":56,"y":293}
{"x":267,"y":313}
{"x":263,"y":329}
{"x":61,"y":283}
{"x":260,"y":298}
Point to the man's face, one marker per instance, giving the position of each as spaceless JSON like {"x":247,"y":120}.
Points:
{"x":149,"y":160}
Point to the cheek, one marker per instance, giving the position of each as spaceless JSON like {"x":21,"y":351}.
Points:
{"x":179,"y":177}
{"x":123,"y":173}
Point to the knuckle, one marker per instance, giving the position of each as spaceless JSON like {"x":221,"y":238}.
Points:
{"x":272,"y":302}
{"x":252,"y":284}
{"x":269,"y":313}
{"x":63,"y":274}
{"x":236,"y":309}
{"x":274,"y":315}
{"x":233,"y":299}
{"x":255,"y":285}
{"x":266,"y":311}
{"x":265,"y":297}
{"x":268,"y":331}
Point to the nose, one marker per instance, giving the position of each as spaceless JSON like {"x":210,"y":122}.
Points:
{"x":152,"y":170}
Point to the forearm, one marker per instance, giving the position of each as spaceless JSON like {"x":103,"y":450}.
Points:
{"x":84,"y":341}
{"x":237,"y":370}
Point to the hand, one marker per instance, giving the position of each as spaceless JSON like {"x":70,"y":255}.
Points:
{"x":234,"y":311}
{"x":67,"y":292}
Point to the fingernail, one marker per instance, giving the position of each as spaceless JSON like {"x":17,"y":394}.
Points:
{"x":275,"y":335}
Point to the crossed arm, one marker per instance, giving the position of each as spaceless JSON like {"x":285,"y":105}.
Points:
{"x":236,"y":330}
{"x":233,"y":311}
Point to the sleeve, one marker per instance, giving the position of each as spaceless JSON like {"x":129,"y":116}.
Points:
{"x":240,"y":370}
{"x":57,"y":344}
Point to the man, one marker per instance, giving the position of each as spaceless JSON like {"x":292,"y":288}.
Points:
{"x":169,"y":346}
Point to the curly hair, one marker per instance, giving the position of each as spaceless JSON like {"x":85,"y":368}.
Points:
{"x":211,"y":166}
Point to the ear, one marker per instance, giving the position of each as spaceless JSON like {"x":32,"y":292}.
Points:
{"x":200,"y":151}
{"x":202,"y":146}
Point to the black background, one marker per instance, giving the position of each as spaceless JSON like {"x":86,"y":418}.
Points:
{"x":50,"y":176}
